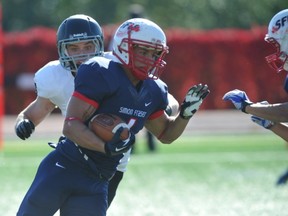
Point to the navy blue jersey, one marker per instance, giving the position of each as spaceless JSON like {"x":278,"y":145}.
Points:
{"x":104,"y":84}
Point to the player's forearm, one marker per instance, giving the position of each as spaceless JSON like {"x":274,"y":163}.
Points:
{"x":173,"y":130}
{"x":281,"y":130}
{"x":80,"y":134}
{"x":272,"y":112}
{"x":36,"y":111}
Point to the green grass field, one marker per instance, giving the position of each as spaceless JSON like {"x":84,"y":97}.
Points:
{"x":209,"y":175}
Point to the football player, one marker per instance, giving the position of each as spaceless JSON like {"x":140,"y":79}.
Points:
{"x":270,"y":116}
{"x":79,"y":37}
{"x":75,"y":176}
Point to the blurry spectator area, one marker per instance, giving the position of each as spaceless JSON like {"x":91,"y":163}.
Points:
{"x":223,"y":58}
{"x":25,"y":53}
{"x":136,"y":11}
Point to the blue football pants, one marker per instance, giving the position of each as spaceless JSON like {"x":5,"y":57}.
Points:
{"x":63,"y":184}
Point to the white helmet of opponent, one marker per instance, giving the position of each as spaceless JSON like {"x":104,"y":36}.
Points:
{"x":145,"y":33}
{"x":278,"y":37}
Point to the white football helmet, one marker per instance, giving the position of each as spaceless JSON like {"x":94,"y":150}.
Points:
{"x":277,"y":36}
{"x":144,"y":33}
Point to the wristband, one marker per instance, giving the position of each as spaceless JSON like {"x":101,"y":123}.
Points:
{"x":245,"y":104}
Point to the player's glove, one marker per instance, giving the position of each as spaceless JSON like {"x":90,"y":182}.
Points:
{"x":238,"y":98}
{"x":262,"y":122}
{"x":193,"y":100}
{"x":117,"y":146}
{"x":24,"y":129}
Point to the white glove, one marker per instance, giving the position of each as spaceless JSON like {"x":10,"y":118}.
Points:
{"x":193,"y":100}
{"x":238,"y":98}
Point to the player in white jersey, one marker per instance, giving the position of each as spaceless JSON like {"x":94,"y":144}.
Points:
{"x":79,"y":37}
{"x":55,"y":81}
{"x":47,"y":81}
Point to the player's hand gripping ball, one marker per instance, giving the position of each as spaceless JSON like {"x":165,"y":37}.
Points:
{"x":114,"y":132}
{"x":105,"y":126}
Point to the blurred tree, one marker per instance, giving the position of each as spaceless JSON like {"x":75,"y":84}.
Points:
{"x":197,"y":14}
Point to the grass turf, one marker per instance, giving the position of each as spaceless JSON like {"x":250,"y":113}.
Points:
{"x":201,"y":175}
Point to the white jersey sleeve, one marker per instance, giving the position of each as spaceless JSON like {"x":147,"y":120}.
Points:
{"x":55,"y":83}
{"x":109,"y":55}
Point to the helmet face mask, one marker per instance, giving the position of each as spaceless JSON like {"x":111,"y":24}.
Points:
{"x":146,"y":35}
{"x":72,"y":62}
{"x":150,"y":68}
{"x":277,"y":61}
{"x":75,"y":29}
{"x":277,"y":36}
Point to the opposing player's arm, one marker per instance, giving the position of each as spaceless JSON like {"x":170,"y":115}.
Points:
{"x":272,"y":112}
{"x":37,"y":110}
{"x":281,"y":130}
{"x":31,"y":116}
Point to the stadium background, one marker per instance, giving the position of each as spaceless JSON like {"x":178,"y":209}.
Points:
{"x":216,"y":42}
{"x":223,"y":58}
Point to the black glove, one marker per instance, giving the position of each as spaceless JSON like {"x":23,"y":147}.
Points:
{"x":24,"y":129}
{"x":193,"y":100}
{"x":117,"y":146}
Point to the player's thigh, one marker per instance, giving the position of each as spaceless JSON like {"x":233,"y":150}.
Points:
{"x":92,"y":200}
{"x":47,"y":190}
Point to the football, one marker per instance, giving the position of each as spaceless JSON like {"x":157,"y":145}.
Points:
{"x":105,"y":125}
